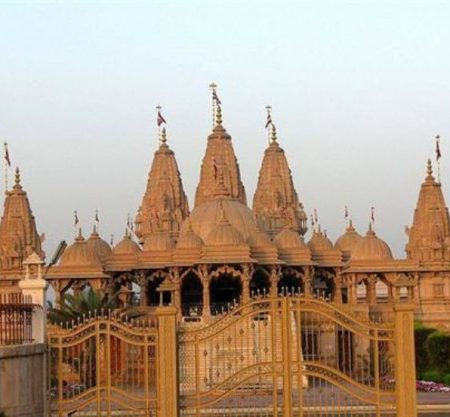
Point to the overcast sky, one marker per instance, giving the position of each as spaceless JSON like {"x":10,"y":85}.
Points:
{"x":358,"y":90}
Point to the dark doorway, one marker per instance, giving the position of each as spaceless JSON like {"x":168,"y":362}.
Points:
{"x":259,"y":284}
{"x":152,"y":293}
{"x":289,"y":283}
{"x":225,"y":290}
{"x":191,"y":295}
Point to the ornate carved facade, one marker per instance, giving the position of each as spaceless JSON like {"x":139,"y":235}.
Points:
{"x":224,"y":253}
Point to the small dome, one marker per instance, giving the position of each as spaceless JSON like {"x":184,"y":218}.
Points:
{"x":126,"y":246}
{"x":80,"y":253}
{"x":100,"y":247}
{"x":348,"y":241}
{"x":159,"y":241}
{"x":288,"y":239}
{"x":260,"y":239}
{"x":188,"y":239}
{"x":320,"y":242}
{"x":372,"y":248}
{"x":224,"y":234}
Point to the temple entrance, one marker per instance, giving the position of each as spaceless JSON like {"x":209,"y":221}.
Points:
{"x":191,"y":296}
{"x":259,"y":284}
{"x":152,"y":293}
{"x":225,"y":290}
{"x":289,"y":283}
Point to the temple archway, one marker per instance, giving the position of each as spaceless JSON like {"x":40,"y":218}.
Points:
{"x":289,"y":282}
{"x":260,"y":283}
{"x":191,"y":295}
{"x":225,"y":290}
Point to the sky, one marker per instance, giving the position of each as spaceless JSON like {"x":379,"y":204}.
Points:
{"x":358,"y":89}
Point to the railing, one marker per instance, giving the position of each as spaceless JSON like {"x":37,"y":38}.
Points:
{"x":16,"y":311}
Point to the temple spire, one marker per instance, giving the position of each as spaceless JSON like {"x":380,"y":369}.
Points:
{"x":219,"y":161}
{"x":429,"y":235}
{"x":18,"y":233}
{"x":164,"y":204}
{"x":276,"y":202}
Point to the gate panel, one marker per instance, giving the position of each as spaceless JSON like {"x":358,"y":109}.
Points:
{"x":235,"y":364}
{"x":103,"y":367}
{"x":342,"y":365}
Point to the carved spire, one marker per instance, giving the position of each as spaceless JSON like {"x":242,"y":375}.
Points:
{"x":276,"y":202}
{"x":219,"y":162}
{"x":164,"y":205}
{"x":18,"y":234}
{"x":429,"y":236}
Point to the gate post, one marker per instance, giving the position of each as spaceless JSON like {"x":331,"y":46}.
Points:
{"x":405,"y":367}
{"x":167,"y":381}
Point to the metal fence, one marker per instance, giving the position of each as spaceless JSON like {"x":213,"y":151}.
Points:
{"x":16,"y":312}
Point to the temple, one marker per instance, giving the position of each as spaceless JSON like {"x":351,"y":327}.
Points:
{"x":223,"y":252}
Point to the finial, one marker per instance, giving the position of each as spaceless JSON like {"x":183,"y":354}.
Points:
{"x":163,"y":136}
{"x":274,"y":134}
{"x":370,"y":231}
{"x":429,"y":168}
{"x":17,"y":180}
{"x":350,"y":227}
{"x":219,"y":116}
{"x":94,"y":230}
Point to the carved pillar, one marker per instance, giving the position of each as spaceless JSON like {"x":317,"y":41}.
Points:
{"x":371,"y":290}
{"x":141,"y":280}
{"x":177,"y":292}
{"x":337,"y":293}
{"x":309,"y":273}
{"x":206,"y":311}
{"x":245,"y":278}
{"x":274,"y":275}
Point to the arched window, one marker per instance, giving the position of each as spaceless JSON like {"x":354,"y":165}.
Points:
{"x":290,"y":283}
{"x":224,"y":290}
{"x":191,"y":295}
{"x":260,"y":283}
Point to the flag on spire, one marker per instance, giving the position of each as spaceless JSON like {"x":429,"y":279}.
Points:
{"x":97,"y":219}
{"x":159,"y":118}
{"x":372,"y":214}
{"x":7,"y":160}
{"x":269,"y":117}
{"x":346,"y":213}
{"x":316,"y":217}
{"x":438,"y":148}
{"x":216,"y":97}
{"x":75,"y":218}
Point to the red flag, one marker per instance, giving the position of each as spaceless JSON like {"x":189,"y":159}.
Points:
{"x":160,"y":119}
{"x":269,"y":120}
{"x":216,"y":97}
{"x":438,"y":149}
{"x":8,"y":161}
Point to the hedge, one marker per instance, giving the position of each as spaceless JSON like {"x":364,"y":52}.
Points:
{"x":437,"y":346}
{"x":421,"y":334}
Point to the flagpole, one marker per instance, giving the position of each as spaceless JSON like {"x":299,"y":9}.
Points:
{"x":7,"y":163}
{"x":6,"y":176}
{"x":158,"y":112}
{"x":213,"y":87}
{"x":438,"y":157}
{"x":269,"y":125}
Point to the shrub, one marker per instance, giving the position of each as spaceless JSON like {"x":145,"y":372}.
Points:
{"x":446,"y":379}
{"x":438,"y":350}
{"x":421,"y":334}
{"x":432,"y":375}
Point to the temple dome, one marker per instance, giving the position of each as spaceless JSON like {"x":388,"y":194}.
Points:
{"x":100,"y":247}
{"x":348,"y":241}
{"x":372,"y":248}
{"x":260,"y":239}
{"x":80,"y":253}
{"x":320,"y":242}
{"x":189,"y":240}
{"x":126,"y":247}
{"x":205,"y":218}
{"x":224,"y":234}
{"x":158,"y":241}
{"x":288,"y":239}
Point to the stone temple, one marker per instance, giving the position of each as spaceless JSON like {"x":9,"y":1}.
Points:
{"x":221,"y":252}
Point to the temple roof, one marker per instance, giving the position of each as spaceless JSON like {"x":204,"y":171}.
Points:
{"x":219,"y":161}
{"x":347,"y":242}
{"x":429,"y":235}
{"x":276,"y":202}
{"x":18,"y":234}
{"x":164,"y":205}
{"x":371,"y":248}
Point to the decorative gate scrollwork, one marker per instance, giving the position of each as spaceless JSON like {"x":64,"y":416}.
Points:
{"x":287,"y":356}
{"x":103,"y":367}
